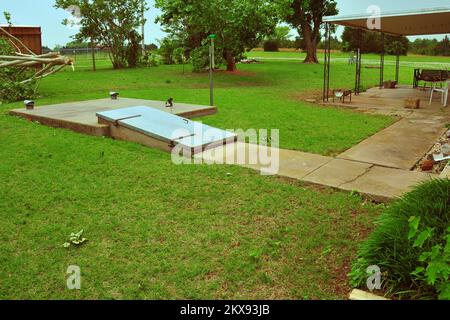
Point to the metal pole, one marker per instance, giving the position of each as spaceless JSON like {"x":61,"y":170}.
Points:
{"x":325,"y":68}
{"x":329,"y":61}
{"x":358,"y":65}
{"x":382,"y":62}
{"x":211,"y":68}
{"x":397,"y":68}
{"x":359,"y":71}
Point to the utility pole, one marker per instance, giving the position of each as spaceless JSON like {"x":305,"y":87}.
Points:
{"x":211,"y":69}
{"x":143,"y":26}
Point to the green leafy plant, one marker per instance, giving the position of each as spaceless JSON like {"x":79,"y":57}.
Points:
{"x":409,"y":236}
{"x":75,"y":239}
{"x":435,"y":263}
{"x":179,"y":55}
{"x":150,"y":59}
{"x":11,"y":86}
{"x":7,"y":16}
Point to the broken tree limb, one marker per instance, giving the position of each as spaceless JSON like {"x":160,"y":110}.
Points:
{"x":49,"y":63}
{"x":45,"y":75}
{"x":13,"y":40}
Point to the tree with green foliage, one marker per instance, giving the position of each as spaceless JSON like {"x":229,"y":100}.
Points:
{"x":306,"y":16}
{"x":240,"y":25}
{"x":335,"y":44}
{"x":281,"y":38}
{"x":423,"y":46}
{"x":77,"y":45}
{"x":370,"y":42}
{"x":282,"y":34}
{"x":112,"y":24}
{"x":443,"y":47}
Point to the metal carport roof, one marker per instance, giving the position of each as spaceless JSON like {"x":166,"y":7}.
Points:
{"x":404,"y":23}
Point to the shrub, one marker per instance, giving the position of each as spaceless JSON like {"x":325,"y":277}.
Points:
{"x":150,"y":59}
{"x":11,"y":91}
{"x":179,"y":56}
{"x":200,"y":58}
{"x":410,"y":244}
{"x":166,"y":50}
{"x":271,"y":46}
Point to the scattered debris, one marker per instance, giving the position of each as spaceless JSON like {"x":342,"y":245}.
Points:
{"x":249,"y":61}
{"x":75,"y":239}
{"x":169,"y":103}
{"x":363,"y":295}
{"x":412,"y":103}
{"x":427,"y":165}
{"x":439,"y":156}
{"x":390,"y":84}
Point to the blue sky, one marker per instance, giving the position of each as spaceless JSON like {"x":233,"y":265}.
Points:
{"x":42,"y":13}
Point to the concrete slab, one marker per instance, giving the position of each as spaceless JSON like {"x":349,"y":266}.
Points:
{"x":380,"y":182}
{"x":376,"y":182}
{"x":293,"y":164}
{"x":401,"y":145}
{"x":298,"y":165}
{"x":391,"y":101}
{"x":338,"y":172}
{"x":81,"y":116}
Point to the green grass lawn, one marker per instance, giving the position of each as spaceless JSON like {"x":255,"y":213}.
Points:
{"x":162,"y":231}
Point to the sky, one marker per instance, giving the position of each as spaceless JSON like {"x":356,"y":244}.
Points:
{"x":42,"y":13}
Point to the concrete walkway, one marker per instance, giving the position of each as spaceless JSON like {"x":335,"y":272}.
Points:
{"x":401,"y":145}
{"x":376,"y":182}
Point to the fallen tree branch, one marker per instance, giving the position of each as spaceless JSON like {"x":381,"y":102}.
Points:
{"x":43,"y":64}
{"x":12,"y":38}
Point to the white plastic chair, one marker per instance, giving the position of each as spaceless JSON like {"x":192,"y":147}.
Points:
{"x":443,"y":91}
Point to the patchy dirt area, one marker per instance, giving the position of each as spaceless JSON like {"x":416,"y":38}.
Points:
{"x":441,"y":149}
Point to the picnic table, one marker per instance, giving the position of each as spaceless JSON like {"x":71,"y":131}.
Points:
{"x":429,"y":76}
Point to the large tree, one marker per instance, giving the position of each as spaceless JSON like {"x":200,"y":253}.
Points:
{"x":109,"y":23}
{"x":371,"y":42}
{"x":307,"y":17}
{"x":239,"y":24}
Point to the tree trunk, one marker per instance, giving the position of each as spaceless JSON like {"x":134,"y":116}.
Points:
{"x":231,"y":61}
{"x":310,"y":39}
{"x":94,"y":68}
{"x":311,"y":52}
